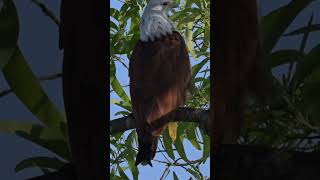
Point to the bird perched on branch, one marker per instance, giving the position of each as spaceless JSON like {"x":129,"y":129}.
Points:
{"x":160,"y":75}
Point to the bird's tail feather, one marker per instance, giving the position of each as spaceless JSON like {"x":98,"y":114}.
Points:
{"x":147,"y":150}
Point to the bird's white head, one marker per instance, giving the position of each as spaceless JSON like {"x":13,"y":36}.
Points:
{"x":154,"y":21}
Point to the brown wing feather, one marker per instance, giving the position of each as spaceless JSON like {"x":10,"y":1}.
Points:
{"x":160,"y":75}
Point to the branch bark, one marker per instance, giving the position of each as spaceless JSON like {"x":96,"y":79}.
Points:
{"x":182,"y":114}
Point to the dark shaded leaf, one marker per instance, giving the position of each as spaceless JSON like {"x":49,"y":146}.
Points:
{"x":275,"y":23}
{"x":41,"y":162}
{"x":9,"y":31}
{"x":299,"y":31}
{"x":283,"y":57}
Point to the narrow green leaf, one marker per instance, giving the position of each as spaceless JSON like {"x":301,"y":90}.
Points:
{"x":206,"y":146}
{"x":196,"y":68}
{"x":9,"y":31}
{"x":41,"y":162}
{"x":172,"y":128}
{"x":114,"y":13}
{"x":117,"y":87}
{"x":9,"y":126}
{"x":194,"y":173}
{"x":189,"y":39}
{"x":275,"y":23}
{"x":307,"y":65}
{"x":124,"y":113}
{"x":57,"y":146}
{"x":122,"y":174}
{"x":28,"y":89}
{"x":175,"y":177}
{"x":122,"y":104}
{"x":112,"y":71}
{"x":179,"y":141}
{"x":284,"y":56}
{"x":306,"y":29}
{"x":191,"y":135}
{"x":133,"y":167}
{"x":167,"y":141}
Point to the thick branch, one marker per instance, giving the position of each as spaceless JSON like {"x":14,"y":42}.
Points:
{"x":182,"y":114}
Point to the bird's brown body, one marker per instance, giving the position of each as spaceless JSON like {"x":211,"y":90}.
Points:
{"x":160,"y":75}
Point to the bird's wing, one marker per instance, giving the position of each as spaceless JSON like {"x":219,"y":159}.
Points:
{"x":156,"y":70}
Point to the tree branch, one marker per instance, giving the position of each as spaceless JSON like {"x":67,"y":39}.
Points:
{"x":182,"y":114}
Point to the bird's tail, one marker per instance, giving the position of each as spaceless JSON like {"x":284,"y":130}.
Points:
{"x":147,"y":149}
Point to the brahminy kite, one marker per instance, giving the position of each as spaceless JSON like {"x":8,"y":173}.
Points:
{"x":160,"y":76}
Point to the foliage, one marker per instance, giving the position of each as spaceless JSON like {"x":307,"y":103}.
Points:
{"x":52,"y":135}
{"x":290,"y":121}
{"x":193,"y":22}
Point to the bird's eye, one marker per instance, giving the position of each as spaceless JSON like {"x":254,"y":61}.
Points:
{"x":165,"y":3}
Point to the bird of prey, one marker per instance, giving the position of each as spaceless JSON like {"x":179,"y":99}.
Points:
{"x":160,"y":76}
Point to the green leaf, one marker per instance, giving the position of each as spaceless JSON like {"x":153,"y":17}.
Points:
{"x":112,"y":71}
{"x":314,"y":76}
{"x":122,"y":174}
{"x":275,"y":23}
{"x":194,"y":173}
{"x":167,"y":141}
{"x":206,"y":146}
{"x":307,"y":65}
{"x":28,"y":89}
{"x":191,"y":135}
{"x":303,"y":30}
{"x":133,"y":167}
{"x":196,"y":68}
{"x":41,"y":162}
{"x":122,"y":104}
{"x":124,"y":113}
{"x":179,"y":142}
{"x":175,"y":177}
{"x":57,"y":146}
{"x":172,"y":128}
{"x":9,"y":126}
{"x":9,"y":31}
{"x":114,"y":13}
{"x":119,"y":90}
{"x":189,"y":39}
{"x":283,"y":57}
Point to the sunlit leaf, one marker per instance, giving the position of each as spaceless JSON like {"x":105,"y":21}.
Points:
{"x":167,"y":141}
{"x":172,"y":128}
